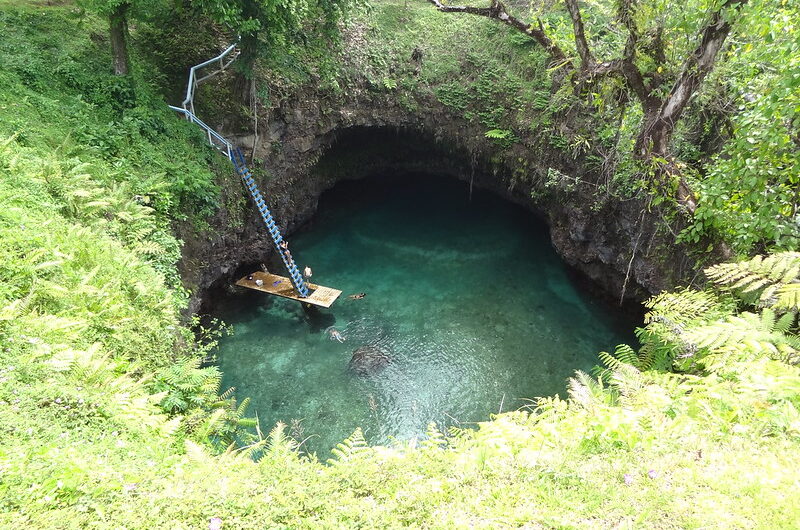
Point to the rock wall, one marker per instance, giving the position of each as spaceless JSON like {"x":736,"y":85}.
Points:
{"x":310,"y":142}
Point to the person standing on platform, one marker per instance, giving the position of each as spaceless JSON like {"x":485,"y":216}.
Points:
{"x":307,"y":273}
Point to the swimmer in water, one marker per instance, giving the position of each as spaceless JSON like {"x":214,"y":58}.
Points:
{"x":358,"y":296}
{"x":335,"y":335}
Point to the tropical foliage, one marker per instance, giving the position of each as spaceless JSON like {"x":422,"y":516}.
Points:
{"x":752,"y":315}
{"x":109,"y":419}
{"x":659,"y":54}
{"x":749,"y":190}
{"x":272,"y":28}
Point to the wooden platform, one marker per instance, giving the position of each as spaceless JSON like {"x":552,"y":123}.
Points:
{"x":282,"y":286}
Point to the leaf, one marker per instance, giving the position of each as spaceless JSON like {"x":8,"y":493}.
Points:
{"x":789,"y":297}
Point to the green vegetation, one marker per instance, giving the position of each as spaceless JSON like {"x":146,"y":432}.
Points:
{"x":90,"y":294}
{"x":107,"y":418}
{"x":749,"y":191}
{"x":494,"y":78}
{"x":733,"y":143}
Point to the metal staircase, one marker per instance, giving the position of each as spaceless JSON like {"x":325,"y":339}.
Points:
{"x":237,"y":158}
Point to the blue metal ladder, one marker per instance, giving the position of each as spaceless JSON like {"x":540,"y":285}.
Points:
{"x":222,"y":61}
{"x":294,"y":273}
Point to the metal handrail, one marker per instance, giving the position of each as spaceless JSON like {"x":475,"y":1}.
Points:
{"x":235,"y":155}
{"x":221,"y":143}
{"x":188,"y":102}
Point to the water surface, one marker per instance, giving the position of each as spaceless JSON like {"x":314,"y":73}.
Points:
{"x":468,"y":299}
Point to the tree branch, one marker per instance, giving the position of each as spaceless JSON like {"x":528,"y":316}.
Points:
{"x":498,"y":11}
{"x":587,"y":59}
{"x":698,"y":64}
{"x":625,"y":15}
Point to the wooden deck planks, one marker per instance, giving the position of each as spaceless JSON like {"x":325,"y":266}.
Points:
{"x":282,"y":286}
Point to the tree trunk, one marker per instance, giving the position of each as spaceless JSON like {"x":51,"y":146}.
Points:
{"x":659,"y":124}
{"x":654,"y":133}
{"x":119,"y":39}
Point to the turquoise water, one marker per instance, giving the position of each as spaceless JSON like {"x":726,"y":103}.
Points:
{"x":468,"y":299}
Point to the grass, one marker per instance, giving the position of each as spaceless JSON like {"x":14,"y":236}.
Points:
{"x":89,"y":305}
{"x":479,"y":69}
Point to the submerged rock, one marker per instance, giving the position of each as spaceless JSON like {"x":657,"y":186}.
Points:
{"x":369,"y":360}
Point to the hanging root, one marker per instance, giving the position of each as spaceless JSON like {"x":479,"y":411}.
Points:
{"x":633,"y":255}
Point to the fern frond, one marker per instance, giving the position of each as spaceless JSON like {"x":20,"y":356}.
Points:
{"x":768,"y":319}
{"x":586,"y":391}
{"x":149,"y":248}
{"x":789,"y":297}
{"x":240,"y":410}
{"x":435,"y":437}
{"x":627,"y":380}
{"x":196,"y":452}
{"x":249,"y":452}
{"x":349,"y":447}
{"x":278,"y":442}
{"x":761,"y":276}
{"x":228,"y":393}
{"x":211,"y":424}
{"x":748,"y":336}
{"x":785,"y":323}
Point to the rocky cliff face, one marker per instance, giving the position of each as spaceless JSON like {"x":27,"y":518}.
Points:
{"x":308,"y":143}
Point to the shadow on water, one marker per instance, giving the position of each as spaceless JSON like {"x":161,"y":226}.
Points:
{"x":467,"y":301}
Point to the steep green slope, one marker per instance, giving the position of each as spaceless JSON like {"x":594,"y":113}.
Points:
{"x":99,"y":427}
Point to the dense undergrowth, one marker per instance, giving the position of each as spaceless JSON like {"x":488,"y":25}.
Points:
{"x":107,"y":421}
